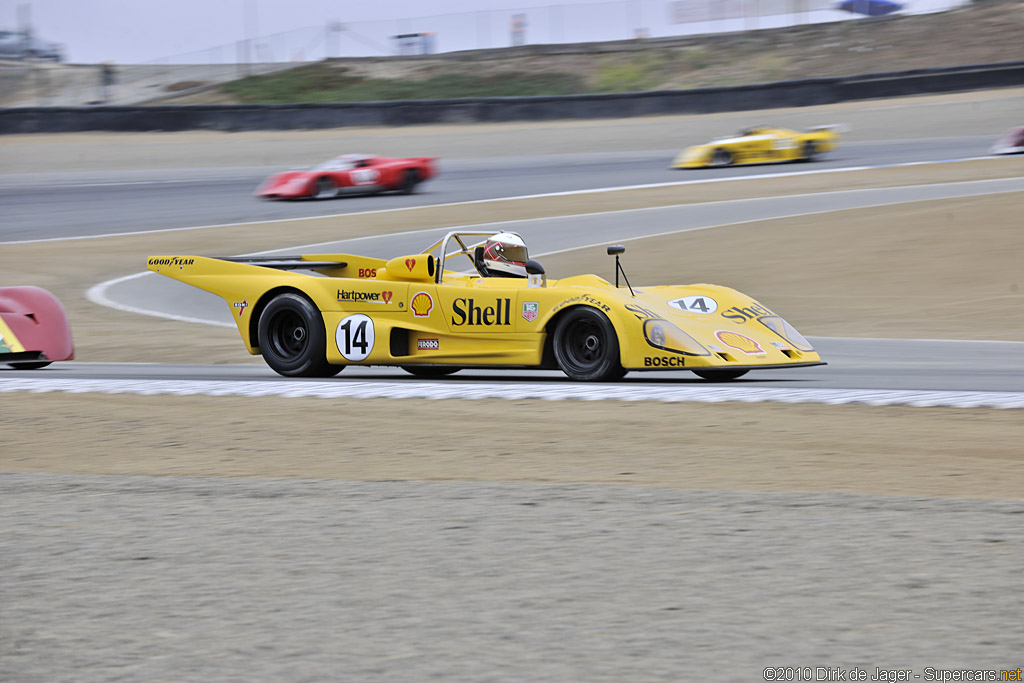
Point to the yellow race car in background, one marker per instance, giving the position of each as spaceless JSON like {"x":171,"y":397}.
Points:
{"x":411,"y":312}
{"x":761,"y":144}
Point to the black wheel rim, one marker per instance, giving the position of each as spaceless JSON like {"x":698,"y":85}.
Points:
{"x":289,"y":335}
{"x":585,"y":345}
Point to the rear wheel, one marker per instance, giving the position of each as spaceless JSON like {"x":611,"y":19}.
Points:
{"x":721,"y":157}
{"x":324,"y":188}
{"x":430,"y":370}
{"x":586,"y":347}
{"x":720,"y":375}
{"x":409,"y":181}
{"x":292,"y":338}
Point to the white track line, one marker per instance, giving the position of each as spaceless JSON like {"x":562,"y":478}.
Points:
{"x":519,"y":391}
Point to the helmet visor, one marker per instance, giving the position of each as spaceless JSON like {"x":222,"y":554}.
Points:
{"x":502,"y":252}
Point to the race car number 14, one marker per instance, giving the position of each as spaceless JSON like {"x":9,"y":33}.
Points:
{"x":695,"y":304}
{"x":355,"y":337}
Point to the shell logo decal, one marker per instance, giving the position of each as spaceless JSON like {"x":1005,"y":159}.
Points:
{"x":421,"y":305}
{"x":739,"y":341}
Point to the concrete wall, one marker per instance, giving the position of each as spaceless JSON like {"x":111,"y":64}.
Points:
{"x":809,"y":92}
{"x":45,"y":84}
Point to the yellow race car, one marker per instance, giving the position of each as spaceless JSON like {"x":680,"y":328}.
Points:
{"x":412,"y":312}
{"x":761,"y":144}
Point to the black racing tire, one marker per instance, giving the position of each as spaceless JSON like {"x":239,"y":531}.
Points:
{"x":430,"y":370}
{"x":721,"y":157}
{"x":410,"y":179}
{"x":292,"y":338}
{"x":720,"y":374}
{"x":31,"y":365}
{"x":324,"y":188}
{"x":810,"y":151}
{"x":586,"y":347}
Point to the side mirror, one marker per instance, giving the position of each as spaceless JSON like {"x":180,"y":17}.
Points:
{"x":615,"y":250}
{"x":535,"y":272}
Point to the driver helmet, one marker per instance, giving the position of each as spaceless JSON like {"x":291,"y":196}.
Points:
{"x":505,"y":254}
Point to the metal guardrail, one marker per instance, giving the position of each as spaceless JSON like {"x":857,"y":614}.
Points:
{"x":808,"y":92}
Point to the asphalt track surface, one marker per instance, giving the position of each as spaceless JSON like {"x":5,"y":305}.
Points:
{"x":57,"y":211}
{"x":926,"y":365}
{"x":58,"y":205}
{"x":883,"y":364}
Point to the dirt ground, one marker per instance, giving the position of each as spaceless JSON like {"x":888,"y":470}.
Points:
{"x":944,"y":269}
{"x":743,"y":447}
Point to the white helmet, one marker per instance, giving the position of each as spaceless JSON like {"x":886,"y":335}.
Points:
{"x":505,"y":255}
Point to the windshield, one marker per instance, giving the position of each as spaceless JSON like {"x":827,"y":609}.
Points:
{"x":344,"y":163}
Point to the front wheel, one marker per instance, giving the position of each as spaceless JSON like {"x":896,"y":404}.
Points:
{"x":430,"y":370}
{"x":720,"y":375}
{"x":721,"y":157}
{"x":810,"y":151}
{"x":586,"y":347}
{"x":292,"y":338}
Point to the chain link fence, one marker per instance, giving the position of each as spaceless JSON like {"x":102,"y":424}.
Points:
{"x":45,"y":84}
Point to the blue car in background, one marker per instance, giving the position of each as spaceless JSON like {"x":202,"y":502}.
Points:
{"x":870,"y":8}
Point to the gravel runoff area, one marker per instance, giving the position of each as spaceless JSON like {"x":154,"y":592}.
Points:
{"x":833,"y":536}
{"x":186,"y":579}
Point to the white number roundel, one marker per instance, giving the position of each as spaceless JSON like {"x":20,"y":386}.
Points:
{"x":365,"y":176}
{"x":355,"y":337}
{"x":695,"y":304}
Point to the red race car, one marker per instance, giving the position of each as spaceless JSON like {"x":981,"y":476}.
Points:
{"x":34,"y":329}
{"x":350,"y":174}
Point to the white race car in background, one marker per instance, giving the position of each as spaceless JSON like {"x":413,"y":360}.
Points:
{"x":1012,"y":142}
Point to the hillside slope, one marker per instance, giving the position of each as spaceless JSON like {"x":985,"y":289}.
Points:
{"x":987,"y":31}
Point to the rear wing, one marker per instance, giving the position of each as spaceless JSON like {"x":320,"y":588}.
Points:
{"x":283,"y":262}
{"x":193,"y":269}
{"x":840,"y":128}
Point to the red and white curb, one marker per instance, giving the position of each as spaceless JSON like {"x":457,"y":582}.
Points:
{"x":520,"y":391}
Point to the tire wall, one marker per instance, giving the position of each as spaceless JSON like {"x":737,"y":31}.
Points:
{"x":801,"y":93}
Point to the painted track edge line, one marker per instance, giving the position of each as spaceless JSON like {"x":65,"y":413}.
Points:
{"x":598,"y":392}
{"x":98,"y":295}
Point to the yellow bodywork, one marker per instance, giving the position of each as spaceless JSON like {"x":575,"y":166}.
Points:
{"x":466,"y":320}
{"x":760,"y":145}
{"x":8,"y":342}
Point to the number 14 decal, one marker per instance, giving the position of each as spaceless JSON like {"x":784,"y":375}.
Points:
{"x":695,"y":304}
{"x":355,"y":337}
